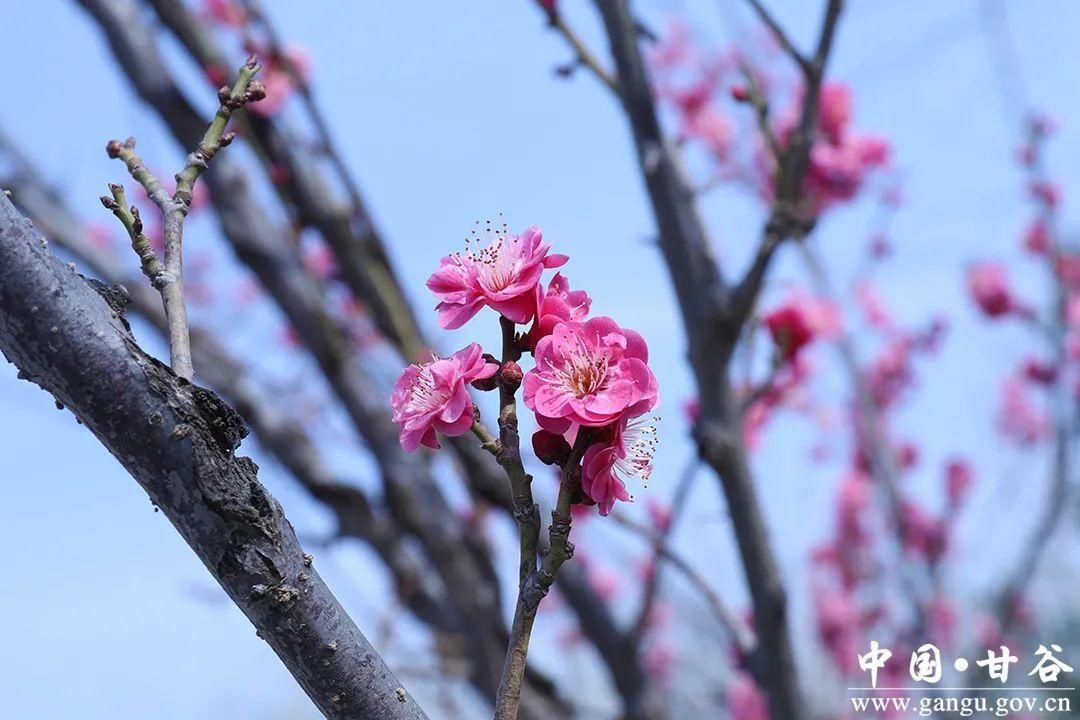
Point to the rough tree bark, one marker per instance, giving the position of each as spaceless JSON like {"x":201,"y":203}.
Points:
{"x":178,"y":441}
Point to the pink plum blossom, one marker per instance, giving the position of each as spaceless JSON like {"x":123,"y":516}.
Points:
{"x":958,"y":479}
{"x":589,"y":374}
{"x":502,"y":275}
{"x":837,"y":625}
{"x":225,"y":12}
{"x":834,"y":110}
{"x":1037,"y":237}
{"x":607,"y":465}
{"x":745,"y":700}
{"x":1039,"y":372}
{"x":790,"y":329}
{"x":434,"y":397}
{"x":558,"y":304}
{"x":1020,"y":419}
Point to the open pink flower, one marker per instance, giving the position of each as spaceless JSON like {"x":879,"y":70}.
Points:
{"x":590,"y":374}
{"x":434,"y":397}
{"x":503,"y":275}
{"x":557,"y":305}
{"x":606,"y":466}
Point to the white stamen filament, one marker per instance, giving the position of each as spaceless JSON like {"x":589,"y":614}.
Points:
{"x":639,"y":440}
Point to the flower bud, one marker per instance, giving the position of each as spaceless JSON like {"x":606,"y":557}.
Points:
{"x":739,"y":93}
{"x":510,"y":375}
{"x":550,"y":449}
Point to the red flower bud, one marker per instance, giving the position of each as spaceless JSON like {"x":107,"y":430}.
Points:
{"x":740,"y":93}
{"x":550,"y":449}
{"x":510,"y":375}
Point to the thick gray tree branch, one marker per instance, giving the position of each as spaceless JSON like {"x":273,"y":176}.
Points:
{"x":288,"y":441}
{"x":178,"y":441}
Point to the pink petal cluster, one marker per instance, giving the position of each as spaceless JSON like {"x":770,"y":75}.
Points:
{"x":595,"y":374}
{"x":840,"y":159}
{"x":627,"y":454}
{"x":558,"y":304}
{"x":434,"y":397}
{"x":958,"y":479}
{"x":225,"y":12}
{"x":745,"y":700}
{"x":503,"y":275}
{"x":589,"y":374}
{"x":1020,"y":419}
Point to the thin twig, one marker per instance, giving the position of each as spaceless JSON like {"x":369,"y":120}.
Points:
{"x":741,"y":634}
{"x":584,"y":56}
{"x":785,"y":219}
{"x":660,"y":542}
{"x":778,"y":32}
{"x":536,"y":586}
{"x":168,"y":277}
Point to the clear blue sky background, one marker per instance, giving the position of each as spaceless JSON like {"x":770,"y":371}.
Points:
{"x":449,"y":112}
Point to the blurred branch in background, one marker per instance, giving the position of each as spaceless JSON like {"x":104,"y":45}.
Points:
{"x":714,"y":315}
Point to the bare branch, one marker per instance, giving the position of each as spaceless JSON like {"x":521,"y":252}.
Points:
{"x":781,"y":37}
{"x":129,"y":218}
{"x":65,"y":337}
{"x":740,"y":633}
{"x":169,"y":280}
{"x":583,"y":55}
{"x":786,"y":220}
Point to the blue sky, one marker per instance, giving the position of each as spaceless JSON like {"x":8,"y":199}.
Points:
{"x":449,"y":112}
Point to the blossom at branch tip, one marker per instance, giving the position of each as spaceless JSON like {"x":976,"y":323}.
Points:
{"x":989,"y":288}
{"x":1037,"y":237}
{"x":1020,"y":419}
{"x":589,"y":374}
{"x":834,"y":111}
{"x":1039,"y":372}
{"x":434,"y":397}
{"x":958,"y":479}
{"x":797,"y":321}
{"x":502,"y":274}
{"x":558,"y":304}
{"x":840,"y":158}
{"x":608,"y":464}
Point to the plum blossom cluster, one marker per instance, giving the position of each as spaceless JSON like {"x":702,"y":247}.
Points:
{"x":1027,"y":392}
{"x":590,"y":389}
{"x":704,"y":90}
